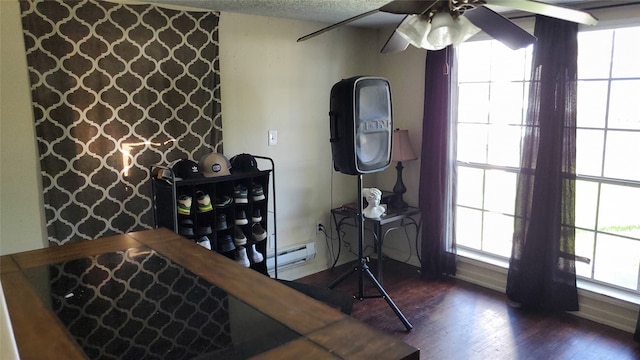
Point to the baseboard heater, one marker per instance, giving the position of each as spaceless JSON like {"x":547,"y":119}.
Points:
{"x":292,"y":256}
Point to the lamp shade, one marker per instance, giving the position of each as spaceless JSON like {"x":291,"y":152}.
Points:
{"x":401,"y":149}
{"x":436,"y":33}
{"x":467,"y":30}
{"x":444,"y":30}
{"x":414,"y":29}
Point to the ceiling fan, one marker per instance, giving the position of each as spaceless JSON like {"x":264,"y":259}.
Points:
{"x":435,"y":24}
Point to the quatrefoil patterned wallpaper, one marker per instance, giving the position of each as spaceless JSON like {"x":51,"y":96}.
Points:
{"x":115,"y":89}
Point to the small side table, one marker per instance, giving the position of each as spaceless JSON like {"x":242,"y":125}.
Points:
{"x":398,"y":218}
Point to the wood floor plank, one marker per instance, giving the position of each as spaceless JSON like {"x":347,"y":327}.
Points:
{"x":453,"y":319}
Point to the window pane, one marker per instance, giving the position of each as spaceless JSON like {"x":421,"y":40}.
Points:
{"x":621,"y":155}
{"x":506,"y":103}
{"x":592,"y":103}
{"x":480,"y":68}
{"x":472,"y":143}
{"x":500,"y":191}
{"x":468,"y":227}
{"x":626,"y":58}
{"x":474,"y":103}
{"x":506,"y":64}
{"x":504,"y":145}
{"x":619,"y":210}
{"x":594,"y":58}
{"x":584,"y":248}
{"x":497,"y":234}
{"x":617,"y":261}
{"x":589,"y":145}
{"x":586,"y":204}
{"x":623,"y":106}
{"x":470,"y":184}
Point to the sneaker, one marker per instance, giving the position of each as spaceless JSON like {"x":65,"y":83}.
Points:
{"x":238,"y":236}
{"x":256,"y":256}
{"x":241,"y":218}
{"x":240,"y":194}
{"x":241,"y":257}
{"x":256,"y":216}
{"x":204,"y":242}
{"x":258,"y":232}
{"x":204,"y":230}
{"x":186,"y":228}
{"x":226,"y":244}
{"x":223,"y":201}
{"x":222,"y":222}
{"x":184,"y":205}
{"x":257,"y":193}
{"x":204,"y":202}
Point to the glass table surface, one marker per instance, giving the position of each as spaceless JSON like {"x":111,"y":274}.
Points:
{"x":138,"y":304}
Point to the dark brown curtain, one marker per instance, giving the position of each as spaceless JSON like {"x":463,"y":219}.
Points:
{"x":115,"y":89}
{"x":437,"y":165}
{"x":542,"y":265}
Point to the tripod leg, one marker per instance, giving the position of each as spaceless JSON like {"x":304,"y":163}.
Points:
{"x":364,"y":268}
{"x":348,"y":273}
{"x":387,"y":298}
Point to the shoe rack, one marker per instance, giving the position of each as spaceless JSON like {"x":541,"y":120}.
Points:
{"x":229,"y":211}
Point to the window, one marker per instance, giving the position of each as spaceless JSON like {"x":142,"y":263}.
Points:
{"x":493,"y":84}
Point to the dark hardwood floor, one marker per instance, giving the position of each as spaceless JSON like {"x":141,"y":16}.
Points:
{"x":453,"y":319}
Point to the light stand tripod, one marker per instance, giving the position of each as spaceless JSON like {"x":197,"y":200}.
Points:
{"x":363,"y":269}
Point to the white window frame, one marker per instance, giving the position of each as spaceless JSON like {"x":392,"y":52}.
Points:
{"x":610,"y":18}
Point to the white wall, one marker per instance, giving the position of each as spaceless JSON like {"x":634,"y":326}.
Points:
{"x":21,"y":209}
{"x":405,"y":72}
{"x":270,"y":82}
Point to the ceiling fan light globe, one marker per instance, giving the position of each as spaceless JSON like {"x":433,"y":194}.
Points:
{"x":467,"y":30}
{"x":444,"y":30}
{"x":414,"y":29}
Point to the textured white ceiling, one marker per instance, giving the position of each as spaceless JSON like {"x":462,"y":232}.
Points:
{"x":325,"y":11}
{"x":333,"y":11}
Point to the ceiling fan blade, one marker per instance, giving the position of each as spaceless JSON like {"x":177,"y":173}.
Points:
{"x":395,"y":43}
{"x":555,"y":11}
{"x":336,"y":25}
{"x":408,"y":7}
{"x":499,"y":27}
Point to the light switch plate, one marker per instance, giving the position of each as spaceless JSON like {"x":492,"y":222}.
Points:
{"x":273,"y":137}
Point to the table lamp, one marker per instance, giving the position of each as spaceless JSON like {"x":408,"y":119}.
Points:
{"x":401,"y":151}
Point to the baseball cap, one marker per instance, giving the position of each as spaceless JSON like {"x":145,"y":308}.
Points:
{"x":243,"y":163}
{"x":214,"y":164}
{"x":186,"y":169}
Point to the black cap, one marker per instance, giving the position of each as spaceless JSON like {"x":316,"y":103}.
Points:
{"x":186,"y":169}
{"x":243,"y":163}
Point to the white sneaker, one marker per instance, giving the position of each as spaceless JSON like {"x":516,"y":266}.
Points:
{"x":258,"y":232}
{"x":238,"y":236}
{"x":204,"y":242}
{"x":256,"y":255}
{"x":241,"y":257}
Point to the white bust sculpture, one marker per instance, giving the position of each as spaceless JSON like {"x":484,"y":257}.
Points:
{"x":373,"y":209}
